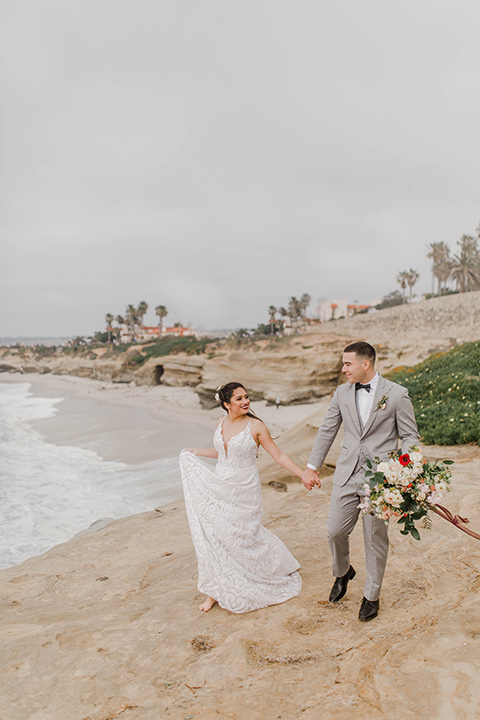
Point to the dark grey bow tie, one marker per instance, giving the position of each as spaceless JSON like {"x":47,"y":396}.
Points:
{"x":359,"y":386}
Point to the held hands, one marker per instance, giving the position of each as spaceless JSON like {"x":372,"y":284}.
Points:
{"x":310,"y":478}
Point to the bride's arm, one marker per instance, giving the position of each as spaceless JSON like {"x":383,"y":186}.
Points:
{"x":262,"y":435}
{"x":203,"y":452}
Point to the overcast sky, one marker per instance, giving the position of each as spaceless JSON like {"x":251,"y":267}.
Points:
{"x":217,"y":157}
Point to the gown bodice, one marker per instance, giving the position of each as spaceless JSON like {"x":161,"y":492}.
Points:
{"x":241,"y":449}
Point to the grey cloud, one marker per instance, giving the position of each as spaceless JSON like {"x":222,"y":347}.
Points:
{"x":218,"y":157}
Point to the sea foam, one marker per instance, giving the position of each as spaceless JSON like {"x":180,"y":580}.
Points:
{"x":48,"y":492}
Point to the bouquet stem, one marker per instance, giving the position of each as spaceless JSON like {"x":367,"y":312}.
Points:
{"x":456,"y":520}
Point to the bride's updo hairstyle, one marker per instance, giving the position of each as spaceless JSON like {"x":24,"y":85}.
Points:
{"x":224,"y":395}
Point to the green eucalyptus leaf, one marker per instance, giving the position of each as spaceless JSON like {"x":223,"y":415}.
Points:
{"x":414,"y":533}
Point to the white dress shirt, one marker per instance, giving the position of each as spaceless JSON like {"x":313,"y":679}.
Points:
{"x":364,"y":400}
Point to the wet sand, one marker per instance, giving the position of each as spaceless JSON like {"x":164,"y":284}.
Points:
{"x":135,"y":424}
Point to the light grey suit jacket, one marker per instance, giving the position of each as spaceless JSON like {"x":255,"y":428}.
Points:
{"x":380,"y":435}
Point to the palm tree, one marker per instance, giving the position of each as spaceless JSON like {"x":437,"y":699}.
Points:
{"x":131,"y":317}
{"x":120,"y":321}
{"x":469,"y":246}
{"x":305,"y":301}
{"x":440,"y":256}
{"x":283,"y":313}
{"x":141,"y":311}
{"x":402,"y":281}
{"x":444,"y":273}
{"x":272,"y":311}
{"x":465,"y":270}
{"x":162,"y":312}
{"x":294,"y":310}
{"x":465,"y":266}
{"x":412,"y":277}
{"x":109,"y":320}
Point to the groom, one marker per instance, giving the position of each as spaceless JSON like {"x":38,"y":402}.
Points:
{"x":376,"y":414}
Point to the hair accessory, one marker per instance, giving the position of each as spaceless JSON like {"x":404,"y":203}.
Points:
{"x":217,"y":393}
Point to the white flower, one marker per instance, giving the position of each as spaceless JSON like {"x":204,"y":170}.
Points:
{"x":405,"y":479}
{"x":416,"y":457}
{"x":394,"y":471}
{"x":393,"y":497}
{"x":416,"y":469}
{"x":383,"y":467}
{"x":434,"y":498}
{"x":365,"y":506}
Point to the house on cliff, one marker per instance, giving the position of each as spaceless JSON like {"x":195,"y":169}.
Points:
{"x":152,"y":332}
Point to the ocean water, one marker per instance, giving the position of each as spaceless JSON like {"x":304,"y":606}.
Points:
{"x":49,"y":492}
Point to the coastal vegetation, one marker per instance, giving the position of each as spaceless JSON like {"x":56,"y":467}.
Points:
{"x":292,"y":317}
{"x":462,"y":269}
{"x":445,"y":391}
{"x":175,"y":345}
{"x":407,"y":277}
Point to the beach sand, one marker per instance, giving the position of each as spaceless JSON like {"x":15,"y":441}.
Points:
{"x":136,"y":424}
{"x":106,"y":626}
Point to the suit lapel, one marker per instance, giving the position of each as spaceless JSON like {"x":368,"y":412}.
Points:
{"x":352,"y":406}
{"x":374,"y":411}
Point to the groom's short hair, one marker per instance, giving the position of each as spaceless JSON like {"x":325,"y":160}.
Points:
{"x":363,"y":349}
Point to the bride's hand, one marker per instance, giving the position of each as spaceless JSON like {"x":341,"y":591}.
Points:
{"x":194,"y":451}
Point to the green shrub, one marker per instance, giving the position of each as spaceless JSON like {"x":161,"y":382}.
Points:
{"x":445,"y":391}
{"x":44,"y":350}
{"x":174,"y":345}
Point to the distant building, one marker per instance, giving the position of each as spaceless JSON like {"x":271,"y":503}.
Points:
{"x":352,"y":309}
{"x":335,"y":309}
{"x":149,"y":332}
{"x":330,"y":310}
{"x":152,"y":333}
{"x":177,"y":331}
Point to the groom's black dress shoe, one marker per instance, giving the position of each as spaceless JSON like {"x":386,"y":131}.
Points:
{"x":368,"y":609}
{"x":340,"y":585}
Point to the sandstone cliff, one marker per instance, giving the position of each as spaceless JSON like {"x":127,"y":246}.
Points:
{"x":288,"y":370}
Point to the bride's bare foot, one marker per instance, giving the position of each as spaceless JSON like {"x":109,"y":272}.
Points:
{"x":207,"y":605}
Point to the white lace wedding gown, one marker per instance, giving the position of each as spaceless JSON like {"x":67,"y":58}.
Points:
{"x":241,"y":564}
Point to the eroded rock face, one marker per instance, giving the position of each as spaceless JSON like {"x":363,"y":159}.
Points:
{"x":174,"y":370}
{"x":7,"y":368}
{"x":284,"y":370}
{"x":182,"y":370}
{"x":296,"y":373}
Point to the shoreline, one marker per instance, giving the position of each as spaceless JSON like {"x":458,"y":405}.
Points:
{"x":174,"y":406}
{"x":144,"y":429}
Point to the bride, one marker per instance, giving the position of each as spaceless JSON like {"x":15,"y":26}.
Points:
{"x":241,"y":565}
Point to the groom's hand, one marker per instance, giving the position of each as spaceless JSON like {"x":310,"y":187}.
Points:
{"x":310,"y":478}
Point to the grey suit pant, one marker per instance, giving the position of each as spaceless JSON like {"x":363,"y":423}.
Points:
{"x":342,"y":518}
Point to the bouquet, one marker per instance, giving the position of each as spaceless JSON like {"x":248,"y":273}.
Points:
{"x":406,"y":487}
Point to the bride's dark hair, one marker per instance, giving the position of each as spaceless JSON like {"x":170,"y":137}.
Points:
{"x":225,"y":395}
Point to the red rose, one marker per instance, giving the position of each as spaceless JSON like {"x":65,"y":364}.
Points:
{"x":404,"y":459}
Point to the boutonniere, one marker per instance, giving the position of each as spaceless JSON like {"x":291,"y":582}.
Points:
{"x":382,"y":403}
